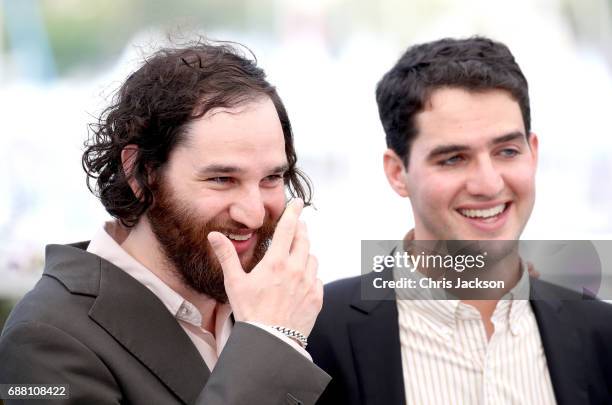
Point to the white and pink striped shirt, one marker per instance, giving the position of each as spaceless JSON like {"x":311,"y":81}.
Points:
{"x":447,"y":358}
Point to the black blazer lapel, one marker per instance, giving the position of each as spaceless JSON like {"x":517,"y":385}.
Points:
{"x":376,"y":348}
{"x":562,"y":346}
{"x":134,"y":316}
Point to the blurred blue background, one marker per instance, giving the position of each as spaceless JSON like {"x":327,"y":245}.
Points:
{"x":61,"y":61}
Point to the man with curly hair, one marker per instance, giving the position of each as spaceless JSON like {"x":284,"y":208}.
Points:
{"x":202,"y":290}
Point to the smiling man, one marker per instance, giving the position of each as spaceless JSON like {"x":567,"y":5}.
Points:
{"x":202,"y":290}
{"x":471,"y":172}
{"x":457,"y":121}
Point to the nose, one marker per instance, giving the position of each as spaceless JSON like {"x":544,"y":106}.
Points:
{"x":485,"y":180}
{"x":249,"y":208}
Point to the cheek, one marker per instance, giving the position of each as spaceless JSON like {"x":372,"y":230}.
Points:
{"x":440,"y":190}
{"x":522,"y":182}
{"x":212,"y":206}
{"x":275,"y":203}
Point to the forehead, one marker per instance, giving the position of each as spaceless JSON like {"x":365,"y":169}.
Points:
{"x":459,"y":116}
{"x":245,"y":135}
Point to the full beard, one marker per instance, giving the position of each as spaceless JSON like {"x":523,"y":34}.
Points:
{"x":183,"y":239}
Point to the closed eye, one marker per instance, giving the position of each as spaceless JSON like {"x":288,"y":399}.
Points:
{"x":220,"y":180}
{"x":274,"y":179}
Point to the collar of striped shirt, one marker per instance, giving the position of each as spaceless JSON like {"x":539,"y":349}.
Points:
{"x":444,"y":313}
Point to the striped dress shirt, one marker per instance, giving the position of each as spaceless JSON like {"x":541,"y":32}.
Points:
{"x":447,"y":358}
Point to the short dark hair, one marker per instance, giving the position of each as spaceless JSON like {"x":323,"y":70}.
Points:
{"x":475,"y":64}
{"x":152,"y":109}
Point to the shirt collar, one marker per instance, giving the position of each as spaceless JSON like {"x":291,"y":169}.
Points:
{"x":106,"y":244}
{"x":445,"y":313}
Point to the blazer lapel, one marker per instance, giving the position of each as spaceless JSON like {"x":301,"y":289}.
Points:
{"x":134,"y":316}
{"x":562,"y":346}
{"x":376,"y":347}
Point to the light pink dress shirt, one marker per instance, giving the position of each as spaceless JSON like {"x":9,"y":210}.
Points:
{"x":106,"y":244}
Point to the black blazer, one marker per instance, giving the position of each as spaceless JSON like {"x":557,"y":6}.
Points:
{"x":357,"y":342}
{"x":90,"y":325}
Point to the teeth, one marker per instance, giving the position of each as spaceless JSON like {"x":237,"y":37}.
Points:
{"x":238,"y":237}
{"x":491,"y":212}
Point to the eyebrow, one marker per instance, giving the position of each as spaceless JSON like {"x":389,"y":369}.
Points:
{"x":453,"y":148}
{"x":229,"y":169}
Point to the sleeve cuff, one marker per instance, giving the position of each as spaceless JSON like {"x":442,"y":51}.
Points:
{"x":283,"y":337}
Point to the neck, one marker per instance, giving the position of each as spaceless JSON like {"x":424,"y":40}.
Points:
{"x":143,"y":246}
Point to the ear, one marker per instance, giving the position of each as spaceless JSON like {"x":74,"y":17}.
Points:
{"x":533,"y":146}
{"x":395,"y":172}
{"x":128,"y":158}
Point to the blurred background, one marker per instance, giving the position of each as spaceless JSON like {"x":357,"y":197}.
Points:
{"x":61,"y":61}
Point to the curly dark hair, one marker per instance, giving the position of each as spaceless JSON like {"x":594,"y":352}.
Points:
{"x":475,"y":64}
{"x":152,"y":109}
